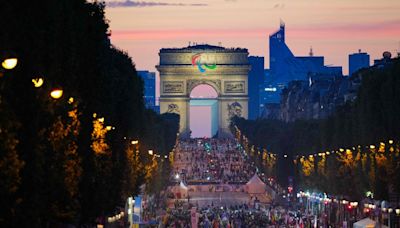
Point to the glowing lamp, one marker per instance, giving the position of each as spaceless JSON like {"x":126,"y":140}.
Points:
{"x":101,"y":120}
{"x":150,"y":152}
{"x":9,"y":63}
{"x":37,"y":82}
{"x":56,"y":93}
{"x":397,"y":211}
{"x":108,"y":128}
{"x":70,"y":100}
{"x":372,"y":146}
{"x":134,"y":142}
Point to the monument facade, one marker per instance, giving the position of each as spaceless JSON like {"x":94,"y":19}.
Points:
{"x":225,"y":69}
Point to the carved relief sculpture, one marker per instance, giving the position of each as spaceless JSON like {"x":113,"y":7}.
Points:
{"x":173,"y":108}
{"x":235,"y":109}
{"x":234,"y":86}
{"x":173,"y":87}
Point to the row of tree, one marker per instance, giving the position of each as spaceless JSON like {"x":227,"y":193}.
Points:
{"x":372,"y":117}
{"x":356,"y":172}
{"x":71,"y":160}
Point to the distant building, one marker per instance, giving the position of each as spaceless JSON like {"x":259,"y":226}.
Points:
{"x":285,"y":67}
{"x":387,"y":58}
{"x":358,"y":61}
{"x":149,"y":80}
{"x":256,"y":81}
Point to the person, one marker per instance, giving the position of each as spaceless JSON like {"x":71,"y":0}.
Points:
{"x":215,"y":223}
{"x":206,"y":222}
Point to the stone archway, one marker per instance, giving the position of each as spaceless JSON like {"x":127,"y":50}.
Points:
{"x":226,"y":70}
{"x":203,"y":111}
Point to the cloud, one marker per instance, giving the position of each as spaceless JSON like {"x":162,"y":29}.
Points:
{"x":129,"y":3}
{"x":370,"y":8}
{"x":354,"y":31}
{"x":279,"y":6}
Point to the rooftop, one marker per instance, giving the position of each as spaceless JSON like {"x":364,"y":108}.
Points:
{"x":196,"y":48}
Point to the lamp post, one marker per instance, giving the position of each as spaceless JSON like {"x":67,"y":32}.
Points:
{"x":135,"y":143}
{"x":390,"y":210}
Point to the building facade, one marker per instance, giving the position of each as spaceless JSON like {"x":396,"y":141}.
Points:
{"x":286,"y":67}
{"x":224,"y":69}
{"x":358,"y":61}
{"x":149,"y":83}
{"x":256,"y":82}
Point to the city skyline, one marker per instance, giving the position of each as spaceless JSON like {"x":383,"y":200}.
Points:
{"x":332,"y":29}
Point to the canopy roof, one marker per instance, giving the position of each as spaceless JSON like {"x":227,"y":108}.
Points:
{"x":255,"y":185}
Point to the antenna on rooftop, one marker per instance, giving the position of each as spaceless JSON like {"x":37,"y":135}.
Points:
{"x":282,"y":23}
{"x":311,"y":52}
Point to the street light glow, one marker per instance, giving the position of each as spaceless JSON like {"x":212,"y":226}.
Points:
{"x":37,"y":82}
{"x":134,"y":142}
{"x":10,"y":63}
{"x":150,"y":152}
{"x":56,"y":93}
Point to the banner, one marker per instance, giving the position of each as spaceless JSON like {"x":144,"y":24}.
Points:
{"x":194,"y":217}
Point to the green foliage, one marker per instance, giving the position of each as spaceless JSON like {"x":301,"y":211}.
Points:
{"x":372,"y":118}
{"x":50,"y":173}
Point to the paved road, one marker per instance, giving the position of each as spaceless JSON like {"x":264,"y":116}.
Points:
{"x":218,"y":198}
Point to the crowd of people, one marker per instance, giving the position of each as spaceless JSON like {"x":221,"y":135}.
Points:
{"x":211,"y":160}
{"x":239,"y":216}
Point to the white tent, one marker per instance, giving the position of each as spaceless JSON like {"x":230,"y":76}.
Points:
{"x":255,"y":185}
{"x":180,"y":191}
{"x":367,"y":223}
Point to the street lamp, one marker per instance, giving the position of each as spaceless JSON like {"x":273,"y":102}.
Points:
{"x":56,"y":93}
{"x":9,"y":63}
{"x":134,"y":142}
{"x":150,"y":152}
{"x":37,"y":82}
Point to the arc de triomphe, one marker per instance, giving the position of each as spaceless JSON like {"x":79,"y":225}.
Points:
{"x":226,"y":70}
